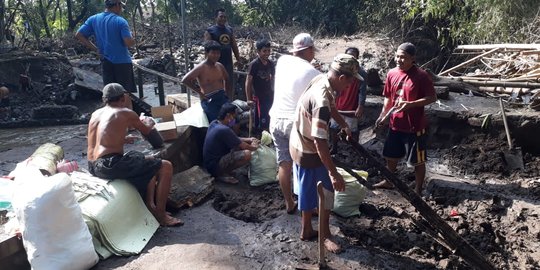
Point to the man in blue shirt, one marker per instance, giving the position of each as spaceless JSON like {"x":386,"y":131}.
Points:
{"x":223,"y":150}
{"x":113,"y":38}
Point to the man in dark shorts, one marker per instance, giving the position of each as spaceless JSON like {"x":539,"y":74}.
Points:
{"x":261,"y":79}
{"x":223,"y":34}
{"x":209,"y":79}
{"x":223,"y":150}
{"x":406,"y":91}
{"x":113,"y":38}
{"x":107,"y":134}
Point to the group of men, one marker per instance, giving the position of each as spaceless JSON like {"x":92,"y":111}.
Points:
{"x":297,"y":103}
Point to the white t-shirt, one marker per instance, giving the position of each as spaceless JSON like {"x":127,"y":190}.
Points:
{"x":293,"y":75}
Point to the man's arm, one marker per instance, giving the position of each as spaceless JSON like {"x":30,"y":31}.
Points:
{"x":234,"y":47}
{"x":249,"y":88}
{"x":129,"y":41}
{"x":406,"y":105}
{"x":135,"y":122}
{"x":341,"y":122}
{"x":362,"y":94}
{"x":227,"y":82}
{"x":386,"y":107}
{"x":249,"y":144}
{"x":324,"y":153}
{"x":86,"y":42}
{"x":207,"y":36}
{"x":189,"y":81}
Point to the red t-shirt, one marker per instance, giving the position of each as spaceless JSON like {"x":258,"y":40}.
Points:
{"x":411,"y":85}
{"x":348,"y":99}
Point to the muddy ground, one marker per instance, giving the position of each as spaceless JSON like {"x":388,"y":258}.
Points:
{"x":242,"y":227}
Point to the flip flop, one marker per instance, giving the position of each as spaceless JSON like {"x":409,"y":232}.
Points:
{"x":227,"y":179}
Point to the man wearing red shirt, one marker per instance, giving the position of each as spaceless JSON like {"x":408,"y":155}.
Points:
{"x":406,"y":91}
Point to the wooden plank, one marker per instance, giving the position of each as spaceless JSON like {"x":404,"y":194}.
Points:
{"x":502,"y":46}
{"x":468,"y":62}
{"x":459,"y":245}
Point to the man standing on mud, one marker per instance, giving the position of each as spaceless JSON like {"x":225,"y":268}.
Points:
{"x":310,"y":150}
{"x":406,"y":91}
{"x":211,"y":77}
{"x":113,"y":38}
{"x":107,"y":132}
{"x":223,"y":34}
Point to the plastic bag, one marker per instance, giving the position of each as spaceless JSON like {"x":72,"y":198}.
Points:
{"x":266,"y":138}
{"x":54,"y":233}
{"x":263,"y":167}
{"x":346,"y":203}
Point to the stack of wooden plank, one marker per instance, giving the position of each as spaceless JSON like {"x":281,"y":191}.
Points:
{"x":495,"y":69}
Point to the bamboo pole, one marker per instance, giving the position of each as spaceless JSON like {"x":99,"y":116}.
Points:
{"x":468,"y":62}
{"x":502,"y":46}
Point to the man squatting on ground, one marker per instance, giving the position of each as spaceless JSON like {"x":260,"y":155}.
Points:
{"x":223,"y":151}
{"x":407,"y":90}
{"x":113,"y":38}
{"x":309,"y":146}
{"x":260,"y":78}
{"x":107,"y":132}
{"x":293,"y":74}
{"x":223,"y":34}
{"x":211,"y":77}
{"x":350,"y":103}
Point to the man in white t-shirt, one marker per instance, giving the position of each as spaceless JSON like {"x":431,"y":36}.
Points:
{"x":293,"y":75}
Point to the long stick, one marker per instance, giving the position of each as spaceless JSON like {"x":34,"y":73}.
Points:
{"x":468,"y":62}
{"x":322,"y":259}
{"x":461,"y":247}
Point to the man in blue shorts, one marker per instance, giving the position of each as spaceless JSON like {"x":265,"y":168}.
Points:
{"x":407,"y":90}
{"x":309,"y":147}
{"x":113,"y":38}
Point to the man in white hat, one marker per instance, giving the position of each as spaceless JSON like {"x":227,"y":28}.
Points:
{"x":293,"y":74}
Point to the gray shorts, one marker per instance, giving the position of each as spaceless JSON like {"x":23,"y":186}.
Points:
{"x":351,"y":121}
{"x":280,"y":129}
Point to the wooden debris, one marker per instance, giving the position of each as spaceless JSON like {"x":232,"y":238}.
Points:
{"x":190,"y":187}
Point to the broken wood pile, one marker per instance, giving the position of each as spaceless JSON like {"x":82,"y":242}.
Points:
{"x":496,"y":70}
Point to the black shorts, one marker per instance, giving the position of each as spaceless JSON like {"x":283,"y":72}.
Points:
{"x":410,"y":145}
{"x":118,"y":73}
{"x":132,"y":166}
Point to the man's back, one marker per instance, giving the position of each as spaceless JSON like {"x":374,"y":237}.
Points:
{"x":293,"y":75}
{"x":110,"y":31}
{"x":107,"y":131}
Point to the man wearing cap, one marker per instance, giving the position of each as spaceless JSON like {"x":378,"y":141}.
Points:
{"x":350,"y":103}
{"x":107,"y":134}
{"x":113,"y":38}
{"x":223,"y":34}
{"x":406,"y":91}
{"x":309,"y":146}
{"x":293,"y":74}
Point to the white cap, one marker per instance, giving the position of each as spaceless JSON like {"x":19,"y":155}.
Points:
{"x":301,"y":42}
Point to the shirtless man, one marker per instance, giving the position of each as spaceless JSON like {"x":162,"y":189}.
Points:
{"x":107,"y":132}
{"x":212,"y":79}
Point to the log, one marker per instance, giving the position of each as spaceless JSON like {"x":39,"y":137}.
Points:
{"x":46,"y":157}
{"x":454,"y":85}
{"x":459,"y":245}
{"x":190,"y":187}
{"x":468,"y":62}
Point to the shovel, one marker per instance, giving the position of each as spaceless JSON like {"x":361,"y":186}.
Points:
{"x":513,"y":156}
{"x":373,"y":132}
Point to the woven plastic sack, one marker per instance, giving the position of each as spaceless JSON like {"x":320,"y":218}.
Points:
{"x":263,"y":167}
{"x":346,"y":203}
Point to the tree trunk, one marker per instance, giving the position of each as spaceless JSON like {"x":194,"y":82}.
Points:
{"x":72,"y":22}
{"x":2,"y":15}
{"x":43,"y":15}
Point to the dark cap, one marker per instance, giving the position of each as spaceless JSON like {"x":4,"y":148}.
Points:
{"x":408,"y":47}
{"x":111,"y":3}
{"x":346,"y":64}
{"x":113,"y":90}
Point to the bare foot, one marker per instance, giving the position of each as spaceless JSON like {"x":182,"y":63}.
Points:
{"x":227,"y":179}
{"x":384,"y":184}
{"x":292,"y":210}
{"x":169,"y":221}
{"x":309,"y":236}
{"x":332,"y":246}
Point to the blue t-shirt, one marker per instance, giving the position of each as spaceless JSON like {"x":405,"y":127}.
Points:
{"x":110,"y":31}
{"x":219,"y":141}
{"x":223,"y":35}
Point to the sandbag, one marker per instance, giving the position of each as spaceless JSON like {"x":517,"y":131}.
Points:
{"x":263,"y":167}
{"x":54,"y":233}
{"x":346,"y":203}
